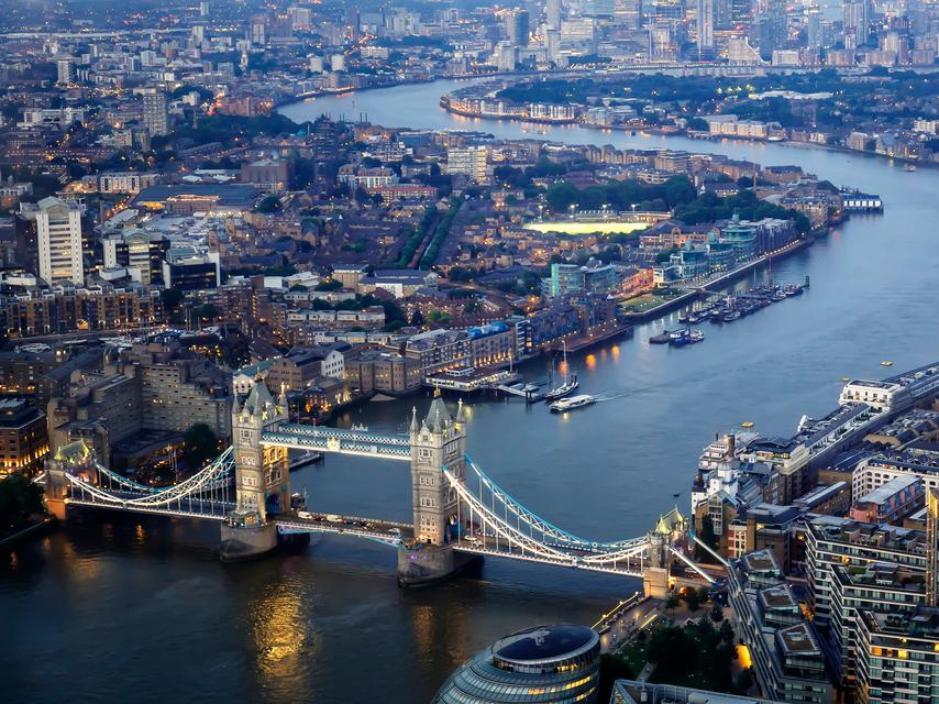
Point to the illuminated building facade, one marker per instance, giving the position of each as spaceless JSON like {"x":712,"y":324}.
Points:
{"x":542,"y":664}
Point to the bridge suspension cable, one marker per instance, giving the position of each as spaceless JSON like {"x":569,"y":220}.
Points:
{"x":537,"y":524}
{"x":211,"y":483}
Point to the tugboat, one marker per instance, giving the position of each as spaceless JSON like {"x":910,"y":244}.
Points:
{"x":696,"y":336}
{"x":569,"y":384}
{"x":569,"y":404}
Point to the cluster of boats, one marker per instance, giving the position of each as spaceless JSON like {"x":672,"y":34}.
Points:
{"x":678,"y":338}
{"x":559,"y":397}
{"x":731,"y":308}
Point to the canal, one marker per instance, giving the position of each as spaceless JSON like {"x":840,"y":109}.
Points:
{"x":127,"y":610}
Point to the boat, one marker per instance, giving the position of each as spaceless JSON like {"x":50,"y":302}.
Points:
{"x":569,"y":384}
{"x":359,"y":426}
{"x":731,"y":316}
{"x":886,"y":363}
{"x":909,"y":167}
{"x":662,"y":339}
{"x":747,"y":424}
{"x":569,"y":404}
{"x":696,"y":336}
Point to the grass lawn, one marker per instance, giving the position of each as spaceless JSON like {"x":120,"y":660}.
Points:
{"x":573,"y":227}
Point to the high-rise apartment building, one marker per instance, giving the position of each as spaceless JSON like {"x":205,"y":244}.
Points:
{"x":155,"y":117}
{"x":469,"y":161}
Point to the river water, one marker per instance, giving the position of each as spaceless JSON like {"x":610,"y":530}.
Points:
{"x":144,"y":612}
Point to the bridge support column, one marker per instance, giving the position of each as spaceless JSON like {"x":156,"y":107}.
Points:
{"x":437,"y":444}
{"x":655,"y":576}
{"x":262,"y":481}
{"x":247,"y":542}
{"x":426,"y":564}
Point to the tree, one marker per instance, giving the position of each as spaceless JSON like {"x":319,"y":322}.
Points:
{"x":692,"y":600}
{"x":698,"y":125}
{"x":207,"y":312}
{"x":671,"y":601}
{"x":171,"y":298}
{"x":268,"y":204}
{"x":19,"y":498}
{"x":199,"y":444}
{"x":717,"y":613}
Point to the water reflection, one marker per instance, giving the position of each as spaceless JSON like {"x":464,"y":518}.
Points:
{"x":283,"y":643}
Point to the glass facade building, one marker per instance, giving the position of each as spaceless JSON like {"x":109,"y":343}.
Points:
{"x":543,"y":664}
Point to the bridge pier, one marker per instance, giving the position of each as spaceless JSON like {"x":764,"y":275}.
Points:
{"x":247,"y":542}
{"x":422,"y":565}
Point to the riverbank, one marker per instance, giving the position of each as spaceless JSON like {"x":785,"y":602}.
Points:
{"x":20,"y":536}
{"x":446,"y":102}
{"x":721,"y":281}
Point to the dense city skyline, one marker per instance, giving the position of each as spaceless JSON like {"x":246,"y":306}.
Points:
{"x":257,"y":257}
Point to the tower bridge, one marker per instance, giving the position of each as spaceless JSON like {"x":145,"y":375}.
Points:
{"x":459,"y":513}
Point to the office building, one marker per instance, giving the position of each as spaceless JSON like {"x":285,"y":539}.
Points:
{"x":633,"y":692}
{"x":573,"y":280}
{"x":544,"y":664}
{"x":59,"y":240}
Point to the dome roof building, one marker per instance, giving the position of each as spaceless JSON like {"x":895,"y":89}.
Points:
{"x":545,"y":664}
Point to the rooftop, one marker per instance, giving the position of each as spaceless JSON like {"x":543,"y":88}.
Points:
{"x":544,"y":644}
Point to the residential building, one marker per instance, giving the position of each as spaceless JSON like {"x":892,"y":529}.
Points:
{"x":788,"y":661}
{"x":23,"y":439}
{"x":468,"y":161}
{"x":155,"y":115}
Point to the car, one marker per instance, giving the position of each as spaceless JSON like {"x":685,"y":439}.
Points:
{"x":305,"y":515}
{"x":471,"y":539}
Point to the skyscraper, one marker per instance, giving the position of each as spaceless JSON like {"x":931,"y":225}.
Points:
{"x":59,"y":238}
{"x":517,"y":27}
{"x":856,"y":23}
{"x":155,"y":118}
{"x":706,"y":28}
{"x":813,"y":28}
{"x":553,"y":14}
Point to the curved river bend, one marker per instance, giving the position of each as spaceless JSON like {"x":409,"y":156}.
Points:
{"x":125,"y":611}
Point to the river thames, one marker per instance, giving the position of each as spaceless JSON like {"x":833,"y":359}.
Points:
{"x":145,"y":612}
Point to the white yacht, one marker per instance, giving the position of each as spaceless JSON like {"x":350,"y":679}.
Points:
{"x":569,"y":404}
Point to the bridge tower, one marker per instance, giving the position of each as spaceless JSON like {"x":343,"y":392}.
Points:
{"x":262,"y":477}
{"x":438,"y":443}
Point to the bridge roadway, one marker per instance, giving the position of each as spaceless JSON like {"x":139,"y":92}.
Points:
{"x":347,"y":442}
{"x":391,"y":532}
